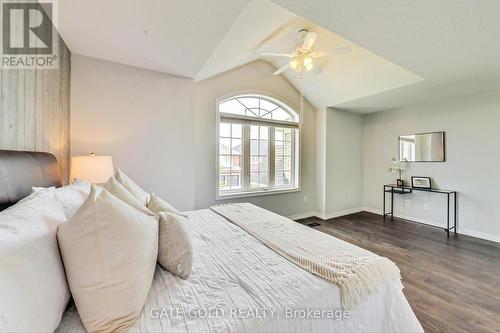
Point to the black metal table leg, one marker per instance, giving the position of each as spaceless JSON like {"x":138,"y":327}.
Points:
{"x":406,"y":190}
{"x":383,"y":208}
{"x":448,"y":217}
{"x":392,"y":204}
{"x":455,"y":213}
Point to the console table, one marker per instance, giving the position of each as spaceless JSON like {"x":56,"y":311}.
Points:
{"x":394,"y":189}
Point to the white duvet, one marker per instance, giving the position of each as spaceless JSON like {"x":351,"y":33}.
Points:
{"x":240,"y":285}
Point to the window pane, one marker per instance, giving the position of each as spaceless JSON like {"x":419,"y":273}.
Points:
{"x":254,"y":164}
{"x":283,"y":157}
{"x":253,"y":112}
{"x":287,"y":178}
{"x":267,"y":105}
{"x":263,"y":180}
{"x":232,"y":106}
{"x":234,"y":181}
{"x":263,"y":164}
{"x":264,"y":132}
{"x":278,"y":148}
{"x":224,"y":146}
{"x":278,"y":178}
{"x":230,"y":158}
{"x":278,"y":163}
{"x":236,"y":163}
{"x":236,"y":130}
{"x":254,"y":147}
{"x":250,"y":102}
{"x":281,"y":114}
{"x":257,"y":107}
{"x":287,"y":163}
{"x":254,"y":132}
{"x":223,"y":185}
{"x":254,"y":180}
{"x":264,"y":148}
{"x":224,"y":161}
{"x":225,"y":130}
{"x":236,"y":146}
{"x":278,"y":134}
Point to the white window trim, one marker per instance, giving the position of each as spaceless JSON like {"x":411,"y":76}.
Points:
{"x":298,"y":161}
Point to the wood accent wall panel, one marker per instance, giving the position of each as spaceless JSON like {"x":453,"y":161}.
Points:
{"x":35,"y":109}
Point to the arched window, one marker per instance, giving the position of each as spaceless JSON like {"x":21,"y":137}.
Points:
{"x":257,"y":146}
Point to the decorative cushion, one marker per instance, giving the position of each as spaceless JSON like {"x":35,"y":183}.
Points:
{"x":132,"y":187}
{"x":175,"y":251}
{"x":33,"y":288}
{"x":109,"y":250}
{"x":158,"y":205}
{"x":117,"y":189}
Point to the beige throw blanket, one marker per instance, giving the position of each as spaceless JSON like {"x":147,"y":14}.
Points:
{"x":357,"y":272}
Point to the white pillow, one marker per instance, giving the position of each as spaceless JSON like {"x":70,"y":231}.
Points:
{"x":71,"y":196}
{"x":117,"y":189}
{"x":132,"y":187}
{"x":109,"y":250}
{"x":33,"y":288}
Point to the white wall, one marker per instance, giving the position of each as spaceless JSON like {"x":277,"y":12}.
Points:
{"x":472,"y":162}
{"x":339,"y":169}
{"x":256,"y":76}
{"x":159,"y":128}
{"x":142,"y":118}
{"x":344,"y":162}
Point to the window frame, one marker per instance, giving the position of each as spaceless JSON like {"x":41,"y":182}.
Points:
{"x":246,"y":122}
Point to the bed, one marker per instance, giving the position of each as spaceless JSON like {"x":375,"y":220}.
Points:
{"x":240,"y":285}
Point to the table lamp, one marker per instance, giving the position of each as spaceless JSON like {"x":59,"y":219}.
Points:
{"x":92,"y":168}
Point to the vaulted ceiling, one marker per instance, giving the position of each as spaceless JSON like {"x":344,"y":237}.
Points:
{"x":403,"y":51}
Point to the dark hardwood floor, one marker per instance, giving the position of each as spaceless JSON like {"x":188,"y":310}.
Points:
{"x":452,"y":284}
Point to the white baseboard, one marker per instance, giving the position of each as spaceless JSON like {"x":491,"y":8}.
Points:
{"x":372,"y":210}
{"x":332,"y":215}
{"x":462,"y":231}
{"x":479,"y":234}
{"x":301,"y":216}
{"x":327,"y":216}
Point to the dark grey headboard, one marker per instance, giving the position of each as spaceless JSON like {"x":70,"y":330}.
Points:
{"x":21,"y":170}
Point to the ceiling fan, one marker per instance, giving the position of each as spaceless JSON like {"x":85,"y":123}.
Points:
{"x":303,"y":55}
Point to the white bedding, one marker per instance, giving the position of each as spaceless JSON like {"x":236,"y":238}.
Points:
{"x":245,"y":286}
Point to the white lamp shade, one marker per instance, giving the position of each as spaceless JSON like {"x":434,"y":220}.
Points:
{"x":94,"y":169}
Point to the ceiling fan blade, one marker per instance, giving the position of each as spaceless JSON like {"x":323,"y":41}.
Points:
{"x":282,"y":69}
{"x":309,"y":40}
{"x":338,"y":50}
{"x":275,"y":54}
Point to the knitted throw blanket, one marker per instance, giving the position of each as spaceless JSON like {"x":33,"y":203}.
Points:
{"x":357,"y":272}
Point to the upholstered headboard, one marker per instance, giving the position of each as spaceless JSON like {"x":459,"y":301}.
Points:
{"x":21,"y":170}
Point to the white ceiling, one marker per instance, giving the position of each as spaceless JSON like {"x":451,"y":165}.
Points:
{"x":181,"y":34}
{"x":404,"y":51}
{"x":266,"y":27}
{"x":452,"y":44}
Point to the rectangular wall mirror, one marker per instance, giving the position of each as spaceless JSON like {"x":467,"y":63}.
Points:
{"x":423,"y":147}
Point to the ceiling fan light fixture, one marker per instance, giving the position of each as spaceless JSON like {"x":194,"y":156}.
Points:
{"x":308,"y":63}
{"x":294,"y":64}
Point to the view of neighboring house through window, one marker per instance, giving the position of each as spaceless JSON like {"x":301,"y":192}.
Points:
{"x":257,"y":146}
{"x":230,"y":144}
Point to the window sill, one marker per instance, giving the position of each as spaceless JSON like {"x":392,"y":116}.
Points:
{"x":255,"y":193}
